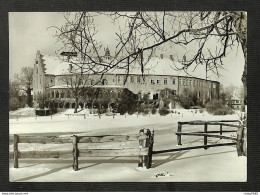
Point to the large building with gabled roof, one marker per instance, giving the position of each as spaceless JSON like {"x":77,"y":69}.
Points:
{"x":159,"y":81}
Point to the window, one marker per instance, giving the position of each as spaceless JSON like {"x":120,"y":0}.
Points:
{"x":158,"y":81}
{"x":173,"y":81}
{"x":138,"y":79}
{"x":68,"y":94}
{"x":51,"y":80}
{"x":36,"y":61}
{"x":52,"y":94}
{"x":57,"y":94}
{"x":184,"y":82}
{"x":197,"y":83}
{"x":165,"y":81}
{"x":190,"y":83}
{"x":118,"y":78}
{"x":62,"y":94}
{"x":152,"y":81}
{"x":194,"y":83}
{"x":174,"y":92}
{"x":180,"y":81}
{"x":132,"y":79}
{"x":92,"y":82}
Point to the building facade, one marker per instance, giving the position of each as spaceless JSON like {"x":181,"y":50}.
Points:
{"x":162,"y":84}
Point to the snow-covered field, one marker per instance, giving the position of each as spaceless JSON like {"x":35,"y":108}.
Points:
{"x":214,"y":164}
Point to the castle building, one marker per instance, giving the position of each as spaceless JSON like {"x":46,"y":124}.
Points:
{"x":159,"y":81}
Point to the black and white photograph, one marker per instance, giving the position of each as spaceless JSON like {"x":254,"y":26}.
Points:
{"x":136,"y":96}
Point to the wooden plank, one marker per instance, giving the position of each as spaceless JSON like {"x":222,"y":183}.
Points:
{"x":150,"y":151}
{"x":75,"y":153}
{"x":45,"y":139}
{"x":15,"y":148}
{"x":208,"y":135}
{"x":223,"y":131}
{"x":141,"y":143}
{"x":179,"y":136}
{"x":220,"y":129}
{"x":111,"y":138}
{"x":193,"y":147}
{"x":205,"y":137}
{"x":223,"y":124}
{"x":110,"y":145}
{"x":45,"y":154}
{"x":113,"y":152}
{"x":199,"y":122}
{"x":239,"y":141}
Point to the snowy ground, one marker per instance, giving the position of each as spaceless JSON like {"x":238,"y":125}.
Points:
{"x":214,"y":164}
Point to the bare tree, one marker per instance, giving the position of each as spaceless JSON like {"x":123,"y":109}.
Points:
{"x":76,"y":84}
{"x":139,"y":34}
{"x":25,"y":80}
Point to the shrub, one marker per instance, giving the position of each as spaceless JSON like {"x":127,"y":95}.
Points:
{"x":216,"y":107}
{"x":164,"y":111}
{"x":154,"y":110}
{"x":13,"y":103}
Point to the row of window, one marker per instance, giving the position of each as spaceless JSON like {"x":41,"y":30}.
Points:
{"x":195,"y":83}
{"x":68,"y":94}
{"x":165,"y":81}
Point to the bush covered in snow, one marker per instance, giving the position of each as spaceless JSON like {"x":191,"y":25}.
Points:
{"x":216,"y":107}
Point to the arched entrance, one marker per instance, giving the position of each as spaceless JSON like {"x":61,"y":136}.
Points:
{"x":67,"y":105}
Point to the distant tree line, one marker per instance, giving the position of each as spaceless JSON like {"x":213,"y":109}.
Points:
{"x":20,"y":89}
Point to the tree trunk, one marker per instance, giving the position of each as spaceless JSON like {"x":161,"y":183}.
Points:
{"x":29,"y":97}
{"x":76,"y":105}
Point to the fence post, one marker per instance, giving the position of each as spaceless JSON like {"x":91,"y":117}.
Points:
{"x":239,"y":140}
{"x":16,"y":141}
{"x":141,"y":143}
{"x":149,"y":143}
{"x":205,"y":137}
{"x":220,"y":130}
{"x":75,"y":153}
{"x":179,"y":130}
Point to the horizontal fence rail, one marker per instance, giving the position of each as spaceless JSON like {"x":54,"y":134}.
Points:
{"x":206,"y":133}
{"x":144,"y":152}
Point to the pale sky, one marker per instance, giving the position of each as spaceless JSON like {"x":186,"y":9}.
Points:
{"x":28,"y":33}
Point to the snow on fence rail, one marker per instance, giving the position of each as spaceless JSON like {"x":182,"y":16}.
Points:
{"x":143,"y":150}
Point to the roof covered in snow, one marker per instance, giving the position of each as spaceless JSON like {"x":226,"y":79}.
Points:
{"x":155,"y":66}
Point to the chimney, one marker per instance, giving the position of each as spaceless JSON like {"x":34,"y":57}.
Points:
{"x":171,"y":57}
{"x":161,"y":56}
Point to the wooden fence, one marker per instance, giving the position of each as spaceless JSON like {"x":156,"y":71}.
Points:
{"x":143,"y":150}
{"x":206,"y":133}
